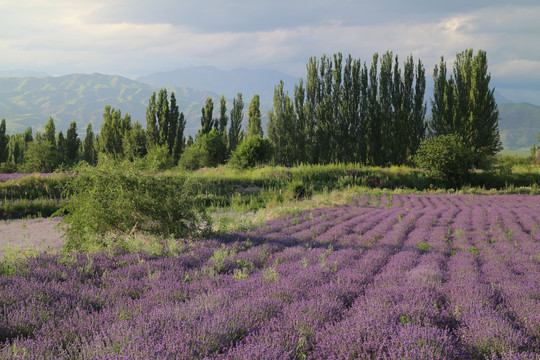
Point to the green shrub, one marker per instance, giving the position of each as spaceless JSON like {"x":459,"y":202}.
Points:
{"x":158,"y":159}
{"x":445,"y":158}
{"x":252,"y":152}
{"x":209,"y":150}
{"x":300,"y":191}
{"x":112,"y":202}
{"x":193,"y":158}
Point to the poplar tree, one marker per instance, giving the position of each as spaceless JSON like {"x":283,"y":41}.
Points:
{"x":465,"y":105}
{"x":89,"y":150}
{"x":312,"y":99}
{"x":374,"y":154}
{"x":223,"y":119}
{"x":113,"y":130}
{"x":235,"y":130}
{"x":60,"y":148}
{"x":163,"y":117}
{"x":174,"y":119}
{"x":50,"y":132}
{"x":418,"y":122}
{"x":254,"y":118}
{"x":385,"y":113}
{"x":207,"y":122}
{"x":152,"y":131}
{"x":4,"y":139}
{"x":301,"y":135}
{"x":134,"y":142}
{"x":72,"y":143}
{"x":281,"y":126}
{"x":179,"y":140}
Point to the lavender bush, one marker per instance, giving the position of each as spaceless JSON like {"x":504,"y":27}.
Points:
{"x":348,"y":282}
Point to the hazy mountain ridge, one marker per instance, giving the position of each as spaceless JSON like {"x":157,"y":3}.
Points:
{"x":519,"y":125}
{"x":29,"y":101}
{"x":224,"y":82}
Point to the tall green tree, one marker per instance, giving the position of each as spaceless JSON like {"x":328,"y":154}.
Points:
{"x":280,"y":128}
{"x":152,"y":130}
{"x":4,"y":139}
{"x":235,"y":130}
{"x":418,"y":122}
{"x":312,"y":99}
{"x":207,"y":122}
{"x":134,"y":142}
{"x":89,"y":150}
{"x":61,"y":148}
{"x":50,"y":132}
{"x":385,"y":112}
{"x":72,"y":144}
{"x":113,"y":130}
{"x":374,"y":126}
{"x":301,"y":129}
{"x":465,"y":105}
{"x":163,"y":117}
{"x":174,"y":118}
{"x":223,"y":118}
{"x":179,"y":140}
{"x":254,"y":118}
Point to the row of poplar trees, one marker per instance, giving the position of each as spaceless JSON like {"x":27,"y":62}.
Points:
{"x":347,"y":112}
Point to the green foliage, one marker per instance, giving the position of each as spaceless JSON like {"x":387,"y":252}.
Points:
{"x":50,"y":131}
{"x":111,"y":202}
{"x":465,"y":105}
{"x":158,"y":159}
{"x":209,"y":150}
{"x":446,"y":158}
{"x":254,"y":118}
{"x":422,"y":246}
{"x":72,"y":144}
{"x":193,"y":158}
{"x":41,"y":157}
{"x":207,"y":122}
{"x":89,"y":149}
{"x":300,"y":191}
{"x":251,"y":152}
{"x":135,"y":143}
{"x":4,"y":139}
{"x":113,"y":131}
{"x":223,"y":119}
{"x":235,"y":130}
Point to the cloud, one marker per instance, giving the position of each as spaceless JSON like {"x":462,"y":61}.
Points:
{"x":138,"y":36}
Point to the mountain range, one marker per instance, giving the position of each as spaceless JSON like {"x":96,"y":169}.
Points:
{"x":28,"y":99}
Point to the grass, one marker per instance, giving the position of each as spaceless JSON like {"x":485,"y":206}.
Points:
{"x":224,"y":189}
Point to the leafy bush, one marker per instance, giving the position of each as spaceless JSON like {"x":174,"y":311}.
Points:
{"x":446,"y":158}
{"x":158,"y":159}
{"x":300,"y":191}
{"x":209,"y":150}
{"x":111,"y":202}
{"x":252,"y":152}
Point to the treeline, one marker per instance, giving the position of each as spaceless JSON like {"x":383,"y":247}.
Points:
{"x":349,"y":113}
{"x":344,"y":111}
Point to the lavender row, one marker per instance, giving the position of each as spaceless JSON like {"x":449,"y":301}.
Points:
{"x":406,"y":277}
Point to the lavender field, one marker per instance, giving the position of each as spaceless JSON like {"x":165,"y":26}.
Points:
{"x":396,"y":277}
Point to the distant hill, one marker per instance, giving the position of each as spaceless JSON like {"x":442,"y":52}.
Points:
{"x":29,"y":101}
{"x":228,"y":83}
{"x":519,"y":126}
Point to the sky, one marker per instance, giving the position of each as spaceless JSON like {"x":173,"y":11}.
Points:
{"x":140,"y":37}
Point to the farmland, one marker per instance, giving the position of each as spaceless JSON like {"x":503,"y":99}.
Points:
{"x":416,"y":276}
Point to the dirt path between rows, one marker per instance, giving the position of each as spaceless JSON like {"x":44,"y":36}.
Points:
{"x":35,"y":234}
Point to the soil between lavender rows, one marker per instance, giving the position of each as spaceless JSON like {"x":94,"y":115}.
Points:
{"x":36,"y":234}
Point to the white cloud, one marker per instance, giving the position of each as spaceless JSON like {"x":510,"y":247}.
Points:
{"x":62,"y":36}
